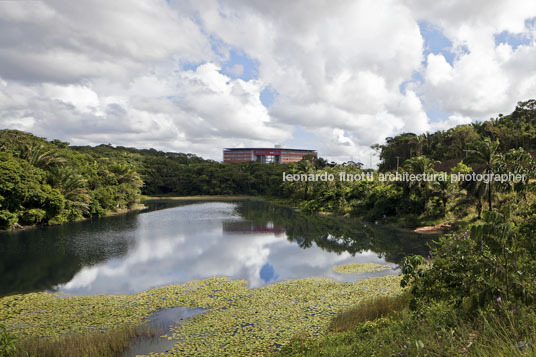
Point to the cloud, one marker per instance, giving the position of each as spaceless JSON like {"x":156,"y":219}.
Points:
{"x":485,"y":78}
{"x":337,"y":70}
{"x":59,"y":41}
{"x":188,"y":75}
{"x":197,"y":111}
{"x":237,"y":70}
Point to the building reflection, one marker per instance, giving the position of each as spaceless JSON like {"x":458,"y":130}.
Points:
{"x":245,"y":227}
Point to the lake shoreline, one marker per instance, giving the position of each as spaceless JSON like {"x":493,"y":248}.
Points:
{"x":421,"y":229}
{"x":136,"y":207}
{"x":436,"y":229}
{"x":204,"y":198}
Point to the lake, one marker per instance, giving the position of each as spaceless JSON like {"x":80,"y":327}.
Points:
{"x":176,"y":241}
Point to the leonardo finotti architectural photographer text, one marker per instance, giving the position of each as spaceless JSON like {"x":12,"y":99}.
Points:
{"x":405,"y":176}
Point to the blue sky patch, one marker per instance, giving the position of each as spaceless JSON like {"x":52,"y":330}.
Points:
{"x":267,"y":273}
{"x":191,"y":66}
{"x":436,"y":115}
{"x":267,"y":96}
{"x":513,"y":39}
{"x":435,"y":42}
{"x":516,"y":39}
{"x":415,"y":78}
{"x":240,"y":65}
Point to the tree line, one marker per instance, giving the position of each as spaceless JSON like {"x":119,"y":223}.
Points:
{"x":49,"y":182}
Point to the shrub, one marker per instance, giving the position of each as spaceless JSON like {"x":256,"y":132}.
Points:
{"x":7,"y":219}
{"x":7,"y":343}
{"x":33,"y":216}
{"x":475,"y":268}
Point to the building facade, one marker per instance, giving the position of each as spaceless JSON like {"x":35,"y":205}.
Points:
{"x":266,"y":155}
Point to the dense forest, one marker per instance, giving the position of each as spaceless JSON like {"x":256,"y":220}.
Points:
{"x":50,"y":182}
{"x":166,"y":173}
{"x":46,"y":182}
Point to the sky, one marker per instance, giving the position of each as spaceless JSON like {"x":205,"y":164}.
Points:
{"x":197,"y":76}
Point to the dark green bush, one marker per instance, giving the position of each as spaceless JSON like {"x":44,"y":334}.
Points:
{"x":33,"y":216}
{"x":7,"y":219}
{"x":491,"y":262}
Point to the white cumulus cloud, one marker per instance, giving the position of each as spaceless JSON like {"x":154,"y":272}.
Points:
{"x":148,"y":73}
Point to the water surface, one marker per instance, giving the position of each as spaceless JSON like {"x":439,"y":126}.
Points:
{"x":179,"y":241}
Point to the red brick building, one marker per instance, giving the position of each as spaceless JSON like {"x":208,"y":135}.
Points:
{"x":266,"y":155}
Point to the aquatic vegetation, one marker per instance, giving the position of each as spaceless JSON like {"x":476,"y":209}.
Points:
{"x":7,"y":343}
{"x":108,"y":343}
{"x":240,"y":320}
{"x":360,"y":268}
{"x":270,"y":316}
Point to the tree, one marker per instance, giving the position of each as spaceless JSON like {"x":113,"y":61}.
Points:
{"x":73,"y":187}
{"x":485,"y":154}
{"x":420,"y":165}
{"x":39,"y":156}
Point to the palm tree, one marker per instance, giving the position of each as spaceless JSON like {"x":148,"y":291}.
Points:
{"x":38,"y":155}
{"x":487,"y":156}
{"x":73,"y":188}
{"x":305,"y":166}
{"x":443,"y":190}
{"x":124,"y":174}
{"x":420,"y":165}
{"x":419,"y":141}
{"x":476,"y":190}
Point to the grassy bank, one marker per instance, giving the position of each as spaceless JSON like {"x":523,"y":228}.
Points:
{"x":99,"y":343}
{"x":475,"y":298}
{"x":387,"y":327}
{"x":240,"y":321}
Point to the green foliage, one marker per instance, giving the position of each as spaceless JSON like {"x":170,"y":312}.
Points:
{"x":92,"y":181}
{"x":440,"y":329}
{"x":73,"y":187}
{"x":45,"y":182}
{"x":383,"y":201}
{"x":493,"y":261}
{"x":8,"y":346}
{"x":411,"y":269}
{"x":7,"y":219}
{"x":33,"y":216}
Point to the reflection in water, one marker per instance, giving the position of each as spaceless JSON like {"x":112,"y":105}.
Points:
{"x":162,"y":321}
{"x":336,"y":234}
{"x":252,"y":240}
{"x":248,"y":227}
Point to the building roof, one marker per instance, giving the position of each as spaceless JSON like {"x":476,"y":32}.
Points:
{"x":268,"y":149}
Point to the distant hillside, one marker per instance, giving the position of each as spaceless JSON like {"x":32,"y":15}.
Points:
{"x":515,"y":130}
{"x":159,"y":170}
{"x":168,"y":173}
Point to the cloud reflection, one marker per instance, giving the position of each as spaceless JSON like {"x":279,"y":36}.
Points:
{"x":186,"y":243}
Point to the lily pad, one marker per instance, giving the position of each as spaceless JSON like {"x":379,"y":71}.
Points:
{"x":240,"y":321}
{"x":360,"y":268}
